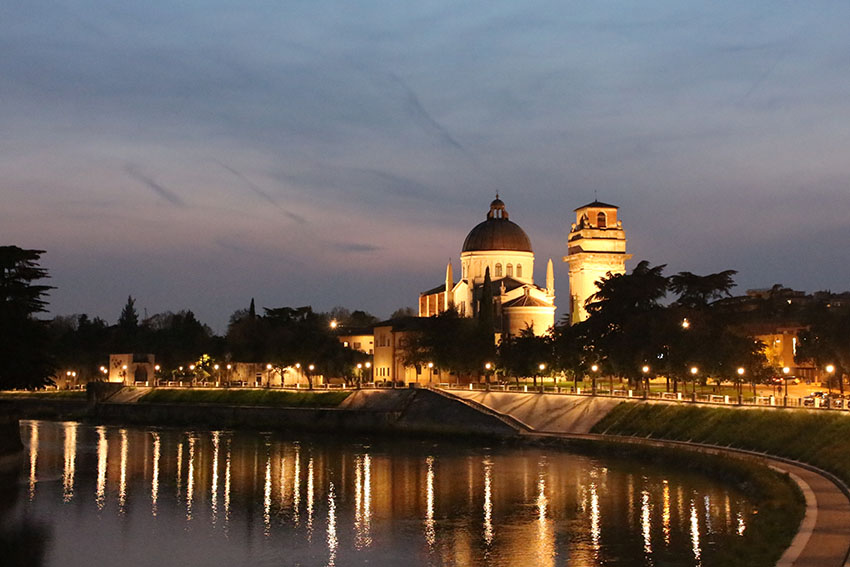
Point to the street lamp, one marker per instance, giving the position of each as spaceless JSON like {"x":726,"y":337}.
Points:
{"x":369,"y":369}
{"x":430,"y":372}
{"x":786,"y":371}
{"x":334,"y":324}
{"x":830,"y":369}
{"x":694,"y":371}
{"x":686,"y":324}
{"x":487,"y":367}
{"x":645,"y":370}
{"x":740,"y":383}
{"x":594,"y":368}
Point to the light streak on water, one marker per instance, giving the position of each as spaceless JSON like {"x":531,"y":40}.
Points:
{"x":33,"y":458}
{"x":742,"y":526}
{"x":227,"y":465}
{"x":267,"y":496}
{"x":155,"y":474}
{"x":216,"y":440}
{"x":545,"y":545}
{"x":707,"y":503}
{"x":102,"y":454}
{"x":179,"y":468}
{"x":190,"y":480}
{"x":430,"y":535}
{"x":595,"y":529}
{"x":122,"y":482}
{"x":367,"y":499}
{"x":665,"y":514}
{"x":310,"y":489}
{"x":488,"y":501}
{"x":333,"y":542}
{"x":695,"y":545}
{"x":70,"y":461}
{"x":296,"y":486}
{"x":646,"y":521}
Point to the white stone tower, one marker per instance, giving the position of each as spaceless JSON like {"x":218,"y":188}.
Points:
{"x":596,"y":246}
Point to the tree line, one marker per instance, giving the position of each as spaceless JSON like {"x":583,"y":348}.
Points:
{"x":641,"y":324}
{"x":636,"y":331}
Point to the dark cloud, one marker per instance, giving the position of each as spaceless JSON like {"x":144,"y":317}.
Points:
{"x":261,"y":193}
{"x":134,"y":173}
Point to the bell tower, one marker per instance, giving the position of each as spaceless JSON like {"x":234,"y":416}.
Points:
{"x":596,"y":246}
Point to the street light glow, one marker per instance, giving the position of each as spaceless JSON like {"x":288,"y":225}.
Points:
{"x":645,"y":369}
{"x":740,"y":371}
{"x":334,"y":324}
{"x":686,"y":324}
{"x":368,"y":365}
{"x":430,"y":365}
{"x":488,"y":366}
{"x":594,"y":368}
{"x":694,"y":369}
{"x":542,"y":367}
{"x":786,"y":370}
{"x":830,"y":368}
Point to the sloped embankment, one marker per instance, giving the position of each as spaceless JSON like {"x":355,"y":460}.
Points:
{"x":818,"y":437}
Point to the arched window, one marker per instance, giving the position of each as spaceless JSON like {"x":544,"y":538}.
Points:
{"x":509,"y":270}
{"x":601,"y":220}
{"x":498,"y":271}
{"x":519,"y":270}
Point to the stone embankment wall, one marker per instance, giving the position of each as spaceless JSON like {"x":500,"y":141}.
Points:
{"x":413,"y":411}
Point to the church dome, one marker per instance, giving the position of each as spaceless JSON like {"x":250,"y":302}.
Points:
{"x":497,"y":232}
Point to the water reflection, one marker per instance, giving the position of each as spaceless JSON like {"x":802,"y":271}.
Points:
{"x":155,"y":475}
{"x":424,"y":502}
{"x":33,"y":458}
{"x":122,"y":483}
{"x":70,"y":460}
{"x":430,"y":533}
{"x":102,"y":453}
{"x":333,"y":542}
{"x":488,"y":501}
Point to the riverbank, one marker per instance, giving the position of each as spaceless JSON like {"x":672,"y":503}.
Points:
{"x":819,"y":438}
{"x":425,"y":412}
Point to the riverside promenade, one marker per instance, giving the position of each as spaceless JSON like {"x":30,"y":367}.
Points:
{"x":823,"y":539}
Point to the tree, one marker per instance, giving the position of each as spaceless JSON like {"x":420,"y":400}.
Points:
{"x":826,"y":339}
{"x":24,"y":358}
{"x":403,"y":312}
{"x":623,"y":329}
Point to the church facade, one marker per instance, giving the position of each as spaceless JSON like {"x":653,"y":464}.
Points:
{"x":499,"y":245}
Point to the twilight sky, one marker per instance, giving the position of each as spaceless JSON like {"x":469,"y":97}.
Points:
{"x":197,"y":154}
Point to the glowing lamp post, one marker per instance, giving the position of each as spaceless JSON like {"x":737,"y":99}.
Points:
{"x":487,"y":366}
{"x":645,"y":370}
{"x":430,"y":372}
{"x":694,"y":372}
{"x":594,"y":369}
{"x":830,"y":369}
{"x":785,"y":372}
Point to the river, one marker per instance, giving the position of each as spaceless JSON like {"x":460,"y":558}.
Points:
{"x":91,"y":495}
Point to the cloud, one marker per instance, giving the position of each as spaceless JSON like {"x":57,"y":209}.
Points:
{"x":132,"y":170}
{"x":260,"y":192}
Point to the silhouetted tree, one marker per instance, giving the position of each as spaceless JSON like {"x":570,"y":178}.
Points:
{"x":25,"y":361}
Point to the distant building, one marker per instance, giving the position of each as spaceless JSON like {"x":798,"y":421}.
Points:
{"x":357,"y":338}
{"x":502,"y":246}
{"x":595,"y":248}
{"x":388,"y":364}
{"x":131,"y":368}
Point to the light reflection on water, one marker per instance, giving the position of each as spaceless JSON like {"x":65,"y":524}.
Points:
{"x":244,"y":496}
